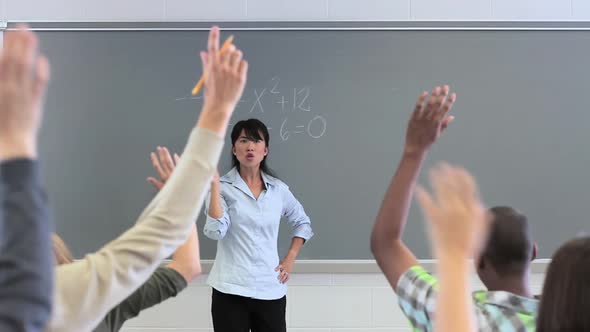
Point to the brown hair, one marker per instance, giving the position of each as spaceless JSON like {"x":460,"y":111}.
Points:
{"x":566,"y":292}
{"x":60,"y":250}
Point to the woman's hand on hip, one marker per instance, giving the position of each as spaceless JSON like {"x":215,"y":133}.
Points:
{"x":284,"y":268}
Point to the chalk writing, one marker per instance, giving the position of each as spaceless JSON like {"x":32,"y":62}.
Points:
{"x":281,"y":105}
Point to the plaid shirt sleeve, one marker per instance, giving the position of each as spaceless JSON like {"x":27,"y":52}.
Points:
{"x":416,"y":291}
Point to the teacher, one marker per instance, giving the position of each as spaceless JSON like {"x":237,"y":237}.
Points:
{"x":244,"y":211}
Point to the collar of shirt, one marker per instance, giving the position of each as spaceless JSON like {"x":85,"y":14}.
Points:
{"x":234,"y":178}
{"x":507,"y":300}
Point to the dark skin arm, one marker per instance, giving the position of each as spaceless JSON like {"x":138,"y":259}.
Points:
{"x":429,"y":119}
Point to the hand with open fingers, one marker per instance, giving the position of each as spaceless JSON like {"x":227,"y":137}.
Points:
{"x":285,"y":267}
{"x":225,"y":74}
{"x":23,"y":79}
{"x":164,"y":166}
{"x":456,"y":215}
{"x":429,"y":119}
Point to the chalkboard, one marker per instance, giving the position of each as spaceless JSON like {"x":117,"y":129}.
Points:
{"x":337,"y":104}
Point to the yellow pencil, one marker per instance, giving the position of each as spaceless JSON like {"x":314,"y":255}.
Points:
{"x":224,"y":48}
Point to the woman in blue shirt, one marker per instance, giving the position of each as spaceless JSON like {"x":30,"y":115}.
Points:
{"x":243,"y":214}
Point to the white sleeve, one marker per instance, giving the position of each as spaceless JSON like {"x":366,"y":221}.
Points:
{"x":86,"y":290}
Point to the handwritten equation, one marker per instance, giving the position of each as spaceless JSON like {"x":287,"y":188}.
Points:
{"x":292,"y":105}
{"x":300,"y":100}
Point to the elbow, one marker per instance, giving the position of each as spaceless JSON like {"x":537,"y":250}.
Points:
{"x":374,"y":245}
{"x":213,"y":234}
{"x":378,"y":250}
{"x":215,"y":216}
{"x":376,"y":240}
{"x":381,"y":243}
{"x":189,"y":271}
{"x":215,"y":228}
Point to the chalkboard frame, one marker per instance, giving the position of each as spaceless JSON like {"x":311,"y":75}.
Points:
{"x":302,"y":25}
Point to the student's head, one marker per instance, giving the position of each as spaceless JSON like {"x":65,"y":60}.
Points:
{"x":509,"y":248}
{"x":566,"y":292}
{"x":60,"y":251}
{"x":250,"y":144}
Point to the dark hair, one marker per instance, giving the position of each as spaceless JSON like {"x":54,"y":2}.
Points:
{"x":253,"y":128}
{"x":566,"y":292}
{"x":509,"y":247}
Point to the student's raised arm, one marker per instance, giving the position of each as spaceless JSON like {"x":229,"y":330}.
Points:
{"x":426,"y":124}
{"x":26,"y":260}
{"x":165,"y":282}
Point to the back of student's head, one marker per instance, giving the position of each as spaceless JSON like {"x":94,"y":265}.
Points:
{"x":60,"y":250}
{"x":509,"y":248}
{"x":566,"y":293}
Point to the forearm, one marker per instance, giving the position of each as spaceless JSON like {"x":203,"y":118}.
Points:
{"x":215,"y":118}
{"x":296,"y":245}
{"x":215,"y":209}
{"x":454,"y":307}
{"x":187,"y":260}
{"x":17,"y":148}
{"x":395,"y":207}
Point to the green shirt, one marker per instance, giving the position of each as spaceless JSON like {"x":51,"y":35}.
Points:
{"x":496,"y":311}
{"x":162,"y":284}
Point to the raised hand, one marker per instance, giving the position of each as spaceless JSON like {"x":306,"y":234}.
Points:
{"x":455,"y":213}
{"x":225,"y":73}
{"x":224,"y":84}
{"x":164,"y":166}
{"x":23,"y":79}
{"x":429,"y":119}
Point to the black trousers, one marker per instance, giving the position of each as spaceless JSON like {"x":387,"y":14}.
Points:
{"x":233,"y":313}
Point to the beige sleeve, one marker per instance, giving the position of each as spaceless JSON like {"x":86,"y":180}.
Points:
{"x":86,"y":290}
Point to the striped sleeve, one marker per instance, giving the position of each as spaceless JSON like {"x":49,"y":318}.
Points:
{"x":416,"y":291}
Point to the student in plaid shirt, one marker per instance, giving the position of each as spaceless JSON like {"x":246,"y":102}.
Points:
{"x":458,"y":229}
{"x":503,"y":264}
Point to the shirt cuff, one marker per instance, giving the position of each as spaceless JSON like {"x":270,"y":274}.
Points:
{"x":303,"y":231}
{"x":18,"y":171}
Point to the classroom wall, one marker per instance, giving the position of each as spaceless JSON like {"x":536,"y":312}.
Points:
{"x":317,"y":302}
{"x":281,"y":10}
{"x":361,"y":302}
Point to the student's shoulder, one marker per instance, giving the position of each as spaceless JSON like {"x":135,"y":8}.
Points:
{"x":416,"y":277}
{"x":416,"y":294}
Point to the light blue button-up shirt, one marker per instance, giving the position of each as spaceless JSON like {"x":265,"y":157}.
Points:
{"x":247,"y":235}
